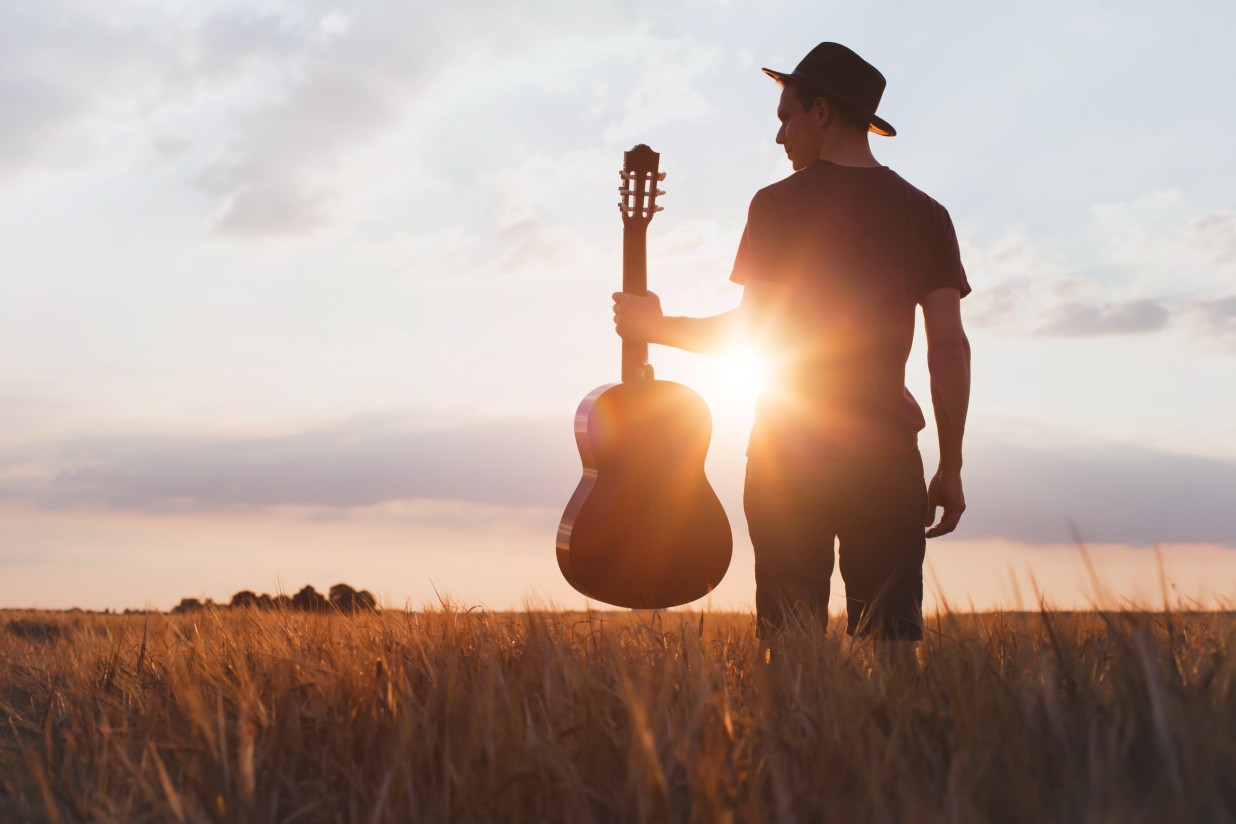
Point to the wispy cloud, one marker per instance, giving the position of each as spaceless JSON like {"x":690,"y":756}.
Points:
{"x":1078,"y":319}
{"x":68,"y":77}
{"x":56,"y":70}
{"x":1111,"y":493}
{"x":667,"y":90}
{"x":1216,"y":319}
{"x":514,"y":463}
{"x":1146,"y":262}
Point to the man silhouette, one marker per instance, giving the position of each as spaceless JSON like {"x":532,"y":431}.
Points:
{"x":834,"y":261}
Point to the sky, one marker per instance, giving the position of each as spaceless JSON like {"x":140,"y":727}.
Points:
{"x":307,"y":292}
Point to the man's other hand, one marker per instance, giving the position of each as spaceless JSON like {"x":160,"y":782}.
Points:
{"x":944,"y":491}
{"x":636,"y":317}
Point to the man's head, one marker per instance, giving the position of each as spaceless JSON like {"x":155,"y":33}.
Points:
{"x":810,"y":118}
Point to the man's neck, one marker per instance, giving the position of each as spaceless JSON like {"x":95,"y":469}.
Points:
{"x":849,"y":149}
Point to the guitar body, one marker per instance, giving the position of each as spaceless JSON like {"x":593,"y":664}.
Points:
{"x":644,"y":529}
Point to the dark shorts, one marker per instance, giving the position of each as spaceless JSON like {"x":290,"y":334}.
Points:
{"x":876,"y":507}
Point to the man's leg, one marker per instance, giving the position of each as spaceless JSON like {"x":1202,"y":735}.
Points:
{"x":793,"y":541}
{"x":882,"y":551}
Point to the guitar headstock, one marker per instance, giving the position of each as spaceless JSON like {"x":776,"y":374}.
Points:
{"x":639,"y":185}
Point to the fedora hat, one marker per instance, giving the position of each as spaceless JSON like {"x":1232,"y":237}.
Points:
{"x":838,"y":72}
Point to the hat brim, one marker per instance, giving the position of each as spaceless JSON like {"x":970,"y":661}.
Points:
{"x":875,"y":123}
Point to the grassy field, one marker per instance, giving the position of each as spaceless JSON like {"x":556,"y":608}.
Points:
{"x":446,"y":715}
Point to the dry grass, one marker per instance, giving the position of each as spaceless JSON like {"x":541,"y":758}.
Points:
{"x":464,"y":716}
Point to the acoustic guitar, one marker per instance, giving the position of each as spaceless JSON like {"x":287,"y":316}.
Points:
{"x":644,"y":529}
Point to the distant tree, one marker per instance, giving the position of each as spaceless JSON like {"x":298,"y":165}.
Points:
{"x":347,"y":600}
{"x":282,"y":602}
{"x":264,"y":601}
{"x":244,"y":598}
{"x":187,"y":605}
{"x":343,"y":598}
{"x":310,"y":600}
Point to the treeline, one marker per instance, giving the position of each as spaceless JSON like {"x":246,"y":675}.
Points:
{"x":342,"y":598}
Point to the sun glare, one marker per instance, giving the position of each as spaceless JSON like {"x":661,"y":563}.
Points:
{"x":743,"y":375}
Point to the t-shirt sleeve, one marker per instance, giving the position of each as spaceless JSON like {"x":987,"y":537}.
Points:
{"x":944,"y":269}
{"x":760,"y":251}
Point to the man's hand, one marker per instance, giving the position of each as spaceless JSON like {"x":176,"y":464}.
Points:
{"x":637,"y":317}
{"x":944,"y":491}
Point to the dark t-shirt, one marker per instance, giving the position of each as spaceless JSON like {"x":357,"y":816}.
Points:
{"x":858,"y":249}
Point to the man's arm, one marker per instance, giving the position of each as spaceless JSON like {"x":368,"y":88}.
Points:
{"x":948,"y":359}
{"x":639,"y":317}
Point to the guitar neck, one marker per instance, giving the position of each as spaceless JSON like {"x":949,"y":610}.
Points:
{"x":634,"y":282}
{"x":640,"y":175}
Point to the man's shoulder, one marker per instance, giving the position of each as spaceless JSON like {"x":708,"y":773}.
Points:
{"x":795,"y":182}
{"x":919,"y":198}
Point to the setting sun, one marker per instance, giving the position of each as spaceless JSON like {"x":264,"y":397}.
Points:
{"x":731,"y":384}
{"x":743,"y":374}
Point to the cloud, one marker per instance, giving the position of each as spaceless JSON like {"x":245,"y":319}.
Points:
{"x":70,"y":78}
{"x":542,"y":247}
{"x":1164,"y":245}
{"x":55,"y":70}
{"x":1130,"y":270}
{"x":1011,"y":256}
{"x":542,"y":188}
{"x":277,"y":102}
{"x":275,"y":173}
{"x":1215,"y":319}
{"x":994,"y":307}
{"x":274,"y":204}
{"x":1080,"y":319}
{"x":1111,"y":493}
{"x":281,"y":173}
{"x":515,"y":463}
{"x":1214,"y":234}
{"x":666,"y":91}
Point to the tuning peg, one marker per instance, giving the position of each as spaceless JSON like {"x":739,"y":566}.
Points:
{"x":660,"y":176}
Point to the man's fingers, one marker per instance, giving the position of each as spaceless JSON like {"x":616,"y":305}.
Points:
{"x":948,"y":522}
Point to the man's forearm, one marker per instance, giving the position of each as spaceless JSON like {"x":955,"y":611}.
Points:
{"x":949,"y":363}
{"x":712,"y":335}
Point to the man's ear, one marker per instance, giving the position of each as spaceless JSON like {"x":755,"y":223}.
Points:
{"x":822,"y":110}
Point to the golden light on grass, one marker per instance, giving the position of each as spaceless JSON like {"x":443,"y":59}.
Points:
{"x":470,"y":716}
